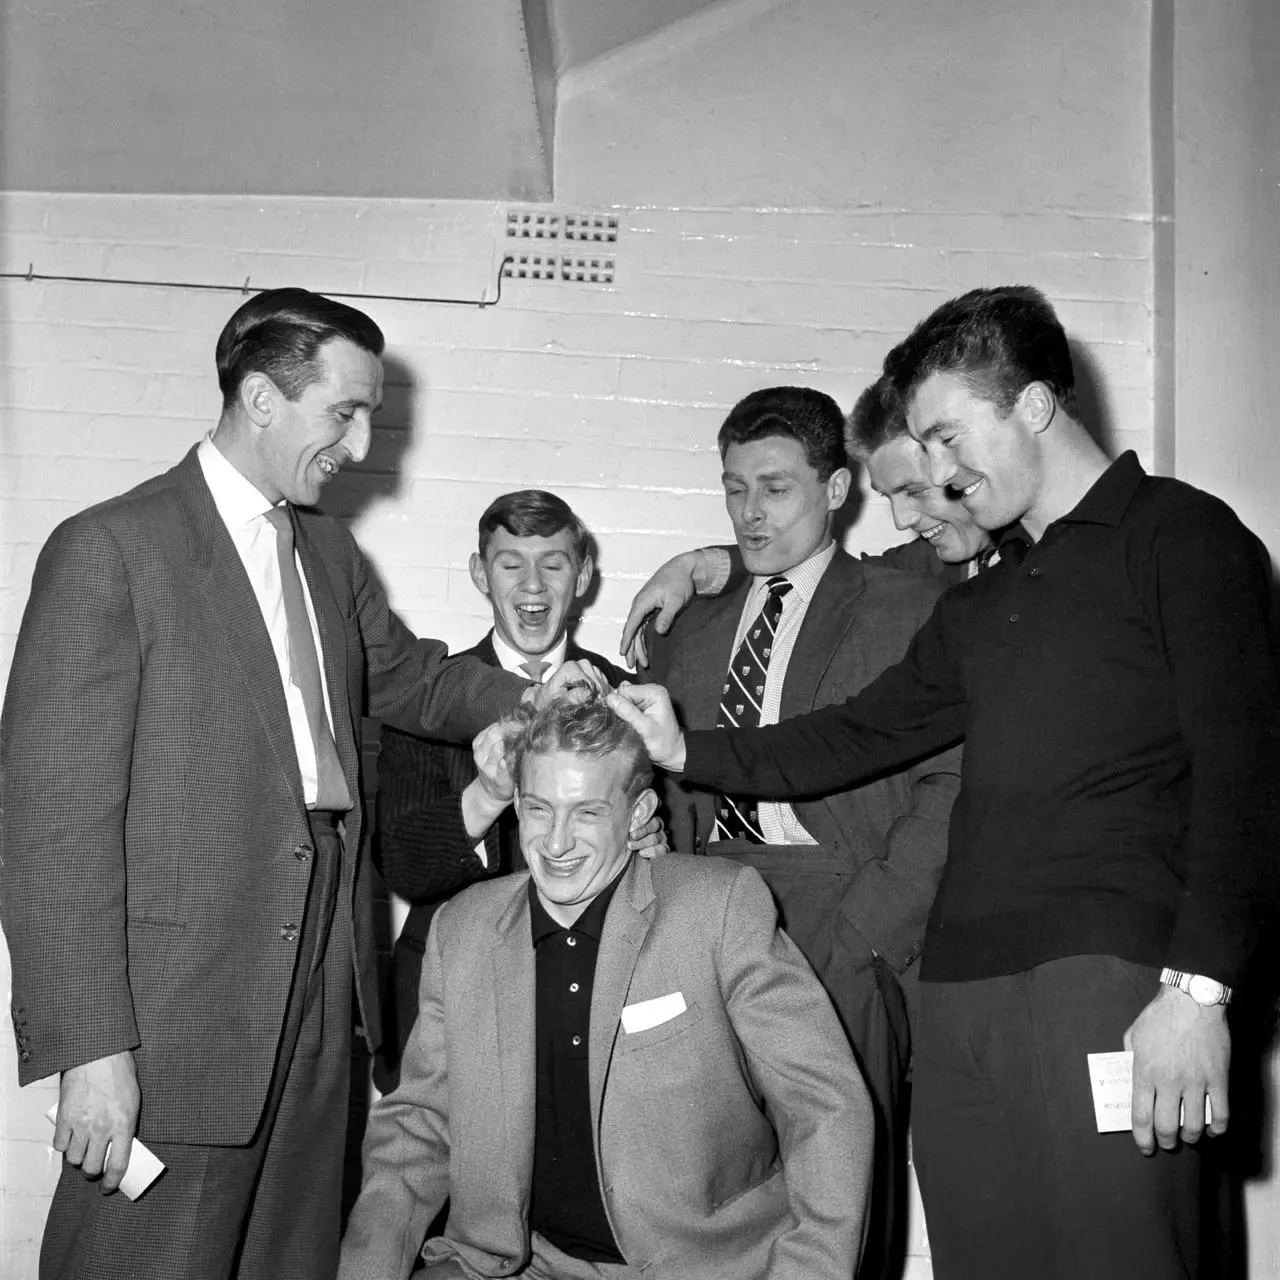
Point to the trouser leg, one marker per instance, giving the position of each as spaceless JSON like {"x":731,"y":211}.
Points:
{"x":1016,"y":1180}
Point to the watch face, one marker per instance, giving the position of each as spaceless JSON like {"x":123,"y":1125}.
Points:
{"x":1204,"y":990}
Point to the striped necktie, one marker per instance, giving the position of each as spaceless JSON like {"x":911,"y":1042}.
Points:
{"x":304,"y":668}
{"x":741,"y":701}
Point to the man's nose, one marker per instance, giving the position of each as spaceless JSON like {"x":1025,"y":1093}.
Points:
{"x":531,"y":579}
{"x":942,"y":466}
{"x":559,"y":839}
{"x":904,"y":516}
{"x":357,"y":440}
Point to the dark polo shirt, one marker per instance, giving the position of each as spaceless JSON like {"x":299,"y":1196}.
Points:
{"x":566,"y":1206}
{"x":1116,"y":688}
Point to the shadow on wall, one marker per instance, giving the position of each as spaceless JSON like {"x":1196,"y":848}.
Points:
{"x":1096,"y":414}
{"x":381,"y":475}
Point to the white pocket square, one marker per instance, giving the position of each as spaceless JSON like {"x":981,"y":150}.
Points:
{"x":652,"y":1013}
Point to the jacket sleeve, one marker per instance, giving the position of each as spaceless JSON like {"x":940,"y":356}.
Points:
{"x":66,"y":744}
{"x":406,"y":1147}
{"x":814,"y":1094}
{"x":414,"y":684}
{"x":1209,"y":580}
{"x":914,"y":709}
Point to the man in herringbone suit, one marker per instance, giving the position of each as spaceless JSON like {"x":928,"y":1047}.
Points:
{"x":180,"y":888}
{"x":435,"y":833}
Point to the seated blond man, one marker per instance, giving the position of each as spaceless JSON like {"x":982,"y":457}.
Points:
{"x":618,"y":1065}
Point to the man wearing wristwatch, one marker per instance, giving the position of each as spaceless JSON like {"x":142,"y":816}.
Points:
{"x":1112,"y":871}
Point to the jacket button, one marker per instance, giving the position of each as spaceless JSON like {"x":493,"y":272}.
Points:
{"x":289,"y":933}
{"x":25,"y":1055}
{"x":303,"y":853}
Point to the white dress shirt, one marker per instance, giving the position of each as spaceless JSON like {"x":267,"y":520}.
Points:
{"x":778,"y":822}
{"x":243,"y":510}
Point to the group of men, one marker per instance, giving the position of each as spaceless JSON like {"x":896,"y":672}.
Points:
{"x":606,"y":1064}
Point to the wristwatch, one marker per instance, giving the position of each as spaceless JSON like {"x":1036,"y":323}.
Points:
{"x":1205,"y":991}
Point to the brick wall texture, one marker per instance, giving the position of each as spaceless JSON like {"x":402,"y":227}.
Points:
{"x":609,"y":394}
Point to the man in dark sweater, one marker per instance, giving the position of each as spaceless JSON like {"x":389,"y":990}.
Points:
{"x":1112,"y":863}
{"x":439,"y":827}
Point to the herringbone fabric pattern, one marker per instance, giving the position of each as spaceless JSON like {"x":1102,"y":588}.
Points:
{"x":737,"y":817}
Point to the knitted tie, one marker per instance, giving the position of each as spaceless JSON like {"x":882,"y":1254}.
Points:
{"x":534,"y":668}
{"x":741,"y":700}
{"x":304,"y":669}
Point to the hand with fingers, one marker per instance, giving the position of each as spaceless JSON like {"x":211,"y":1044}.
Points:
{"x":664,"y":595}
{"x":98,"y":1106}
{"x":647,"y":709}
{"x":1181,"y":1055}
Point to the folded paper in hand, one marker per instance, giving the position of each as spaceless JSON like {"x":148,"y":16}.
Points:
{"x":652,"y":1013}
{"x":144,"y":1166}
{"x":1111,"y":1075}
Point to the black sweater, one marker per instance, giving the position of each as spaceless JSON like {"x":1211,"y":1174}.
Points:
{"x":1118,"y":695}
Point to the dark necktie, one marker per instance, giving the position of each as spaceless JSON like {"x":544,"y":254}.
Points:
{"x":534,"y":668}
{"x":304,"y":667}
{"x":741,"y":700}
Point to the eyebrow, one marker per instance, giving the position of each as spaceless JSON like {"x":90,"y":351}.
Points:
{"x":355,"y":403}
{"x":933,"y":428}
{"x":764,"y":475}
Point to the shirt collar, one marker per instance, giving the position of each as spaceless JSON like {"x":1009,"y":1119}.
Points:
{"x":590,"y":922}
{"x":238,"y":501}
{"x":1110,"y":494}
{"x":804,"y":578}
{"x":510,"y":659}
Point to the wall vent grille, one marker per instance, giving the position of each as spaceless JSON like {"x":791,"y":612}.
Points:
{"x":587,"y":240}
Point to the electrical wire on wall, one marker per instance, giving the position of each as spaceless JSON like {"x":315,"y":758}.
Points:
{"x":31,"y":275}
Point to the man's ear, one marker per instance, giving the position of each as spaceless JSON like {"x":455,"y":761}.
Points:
{"x":646,"y":804}
{"x":258,"y":397}
{"x":1037,"y":405}
{"x":838,"y":484}
{"x":478,"y":574}
{"x":585,"y":571}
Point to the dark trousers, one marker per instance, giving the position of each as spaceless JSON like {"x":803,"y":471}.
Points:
{"x":808,"y":886}
{"x":1017,"y":1181}
{"x":266,"y":1211}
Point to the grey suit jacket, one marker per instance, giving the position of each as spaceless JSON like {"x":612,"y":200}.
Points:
{"x":733,"y":1140}
{"x":154,"y":842}
{"x":893,"y":831}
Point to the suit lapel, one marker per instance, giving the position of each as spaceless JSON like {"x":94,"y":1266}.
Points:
{"x":234,"y":614}
{"x":626,"y":927}
{"x":827,"y":621}
{"x":515,"y":1010}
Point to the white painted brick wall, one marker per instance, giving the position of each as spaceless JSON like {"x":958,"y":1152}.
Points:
{"x":609,"y":395}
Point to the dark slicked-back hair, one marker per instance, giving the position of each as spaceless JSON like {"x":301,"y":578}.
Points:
{"x":280,"y":332}
{"x":585,"y":727}
{"x":533,"y":513}
{"x":996,"y":340}
{"x":811,"y":417}
{"x":876,"y":418}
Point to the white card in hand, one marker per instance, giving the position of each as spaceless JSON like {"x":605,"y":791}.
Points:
{"x":652,"y":1013}
{"x":144,"y":1166}
{"x":1111,"y":1075}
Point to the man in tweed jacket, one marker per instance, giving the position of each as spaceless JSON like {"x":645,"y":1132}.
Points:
{"x":180,"y":887}
{"x":620,"y":1067}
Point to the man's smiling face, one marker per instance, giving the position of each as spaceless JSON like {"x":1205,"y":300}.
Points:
{"x":531,"y":584}
{"x":575,"y":819}
{"x":899,"y":471}
{"x":311,"y":438}
{"x":990,"y":460}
